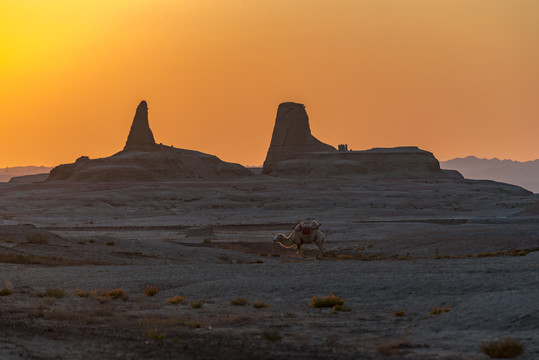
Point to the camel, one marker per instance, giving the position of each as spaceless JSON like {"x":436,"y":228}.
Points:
{"x":302,"y":234}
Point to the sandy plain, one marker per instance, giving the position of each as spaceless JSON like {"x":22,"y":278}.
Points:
{"x":393,"y":245}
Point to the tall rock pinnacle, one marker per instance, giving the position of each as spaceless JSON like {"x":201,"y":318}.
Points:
{"x":140,"y":136}
{"x":292,"y":136}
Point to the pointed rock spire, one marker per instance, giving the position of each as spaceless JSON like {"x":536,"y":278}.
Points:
{"x":292,"y":136}
{"x":140,"y":136}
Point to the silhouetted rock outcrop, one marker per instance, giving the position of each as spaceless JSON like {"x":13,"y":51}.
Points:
{"x":144,"y":160}
{"x":140,"y":136}
{"x":295,"y":152}
{"x":292,"y":136}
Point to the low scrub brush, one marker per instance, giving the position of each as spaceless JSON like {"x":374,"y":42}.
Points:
{"x":503,"y":349}
{"x":151,"y":290}
{"x":436,"y":311}
{"x":5,"y":292}
{"x":326,"y":301}
{"x":260,"y":305}
{"x":178,"y":299}
{"x":239,"y":301}
{"x":56,"y":293}
{"x":196,"y":304}
{"x":117,"y":294}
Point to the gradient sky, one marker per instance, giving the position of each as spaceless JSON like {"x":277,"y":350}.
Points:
{"x":454,"y":77}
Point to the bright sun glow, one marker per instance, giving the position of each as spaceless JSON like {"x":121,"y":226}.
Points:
{"x":453,"y":77}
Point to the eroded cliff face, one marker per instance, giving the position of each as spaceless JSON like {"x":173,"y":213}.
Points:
{"x":400,"y":162}
{"x":292,"y":136}
{"x":144,"y":160}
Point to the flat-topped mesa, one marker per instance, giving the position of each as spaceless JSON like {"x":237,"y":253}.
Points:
{"x":292,"y":136}
{"x":295,"y":152}
{"x":140,"y":136}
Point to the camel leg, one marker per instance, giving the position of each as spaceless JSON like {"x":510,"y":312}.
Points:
{"x":321,"y":247}
{"x":300,"y":253}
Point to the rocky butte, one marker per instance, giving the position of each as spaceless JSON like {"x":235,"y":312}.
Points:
{"x":295,"y":152}
{"x":144,"y":160}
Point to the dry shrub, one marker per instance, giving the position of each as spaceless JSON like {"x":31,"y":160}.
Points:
{"x":436,"y":311}
{"x":37,"y":238}
{"x":118,"y":293}
{"x":154,"y":335}
{"x":196,"y":304}
{"x":503,"y":349}
{"x":5,"y":292}
{"x":151,"y":290}
{"x":82,"y":293}
{"x":178,"y":299}
{"x":239,"y":301}
{"x":55,"y":293}
{"x":326,"y":301}
{"x":342,"y":308}
{"x":399,"y":313}
{"x":260,"y":305}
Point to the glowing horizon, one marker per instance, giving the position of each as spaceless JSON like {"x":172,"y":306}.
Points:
{"x":455,"y":78}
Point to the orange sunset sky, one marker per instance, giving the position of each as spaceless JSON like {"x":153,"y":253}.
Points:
{"x":455,"y":77}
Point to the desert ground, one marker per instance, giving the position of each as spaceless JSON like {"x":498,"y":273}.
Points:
{"x":395,"y":250}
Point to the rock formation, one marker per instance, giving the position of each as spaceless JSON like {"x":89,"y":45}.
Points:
{"x":291,"y":136}
{"x":295,"y":152}
{"x":144,"y":160}
{"x":140,"y":136}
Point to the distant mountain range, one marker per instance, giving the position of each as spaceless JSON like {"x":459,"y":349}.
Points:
{"x":7,"y":173}
{"x":525,"y":174}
